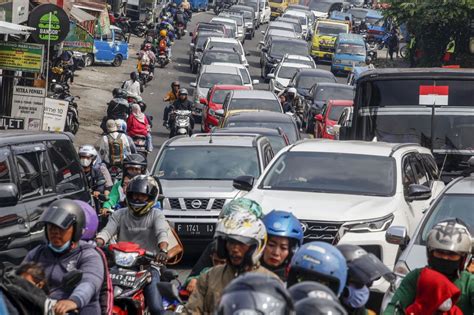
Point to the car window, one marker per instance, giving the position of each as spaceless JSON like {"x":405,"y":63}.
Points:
{"x":419,"y":171}
{"x":33,"y":174}
{"x":5,"y":169}
{"x":430,"y":166}
{"x":207,"y":80}
{"x":66,"y":168}
{"x":119,"y":37}
{"x":245,"y":76}
{"x":335,"y":112}
{"x":408,"y":176}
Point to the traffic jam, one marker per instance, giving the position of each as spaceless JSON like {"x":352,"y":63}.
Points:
{"x":256,"y":157}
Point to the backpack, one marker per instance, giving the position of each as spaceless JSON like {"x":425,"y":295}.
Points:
{"x":115,"y":150}
{"x":24,"y":297}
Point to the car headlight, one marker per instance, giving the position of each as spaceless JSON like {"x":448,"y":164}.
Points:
{"x":377,"y":225}
{"x":123,"y":259}
{"x":330,"y":130}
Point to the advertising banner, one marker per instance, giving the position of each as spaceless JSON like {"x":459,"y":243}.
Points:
{"x":28,"y":103}
{"x":55,"y":112}
{"x":78,"y":39}
{"x":21,"y":56}
{"x":51,"y":23}
{"x":10,"y":123}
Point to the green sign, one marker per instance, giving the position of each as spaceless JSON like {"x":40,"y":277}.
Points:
{"x":21,"y":56}
{"x":51,"y":23}
{"x":78,"y":39}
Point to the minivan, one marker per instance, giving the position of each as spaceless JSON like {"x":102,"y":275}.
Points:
{"x":350,"y":52}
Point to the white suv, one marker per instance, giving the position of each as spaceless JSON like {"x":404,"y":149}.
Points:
{"x":349,"y":191}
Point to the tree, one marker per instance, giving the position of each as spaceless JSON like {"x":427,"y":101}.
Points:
{"x":433,"y":23}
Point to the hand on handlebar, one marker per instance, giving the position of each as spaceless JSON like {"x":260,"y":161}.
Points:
{"x":162,"y":258}
{"x":64,"y":306}
{"x":104,"y":212}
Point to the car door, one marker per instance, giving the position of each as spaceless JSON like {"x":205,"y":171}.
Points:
{"x":103,"y":48}
{"x":120,"y":43}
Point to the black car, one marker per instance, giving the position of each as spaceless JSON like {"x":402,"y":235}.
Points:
{"x":197,"y":48}
{"x":319,"y":95}
{"x":277,"y":48}
{"x":36,"y":168}
{"x":277,"y":137}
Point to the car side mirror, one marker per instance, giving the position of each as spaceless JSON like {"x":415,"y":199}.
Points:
{"x":397,"y":235}
{"x":261,"y":43}
{"x":255,"y":82}
{"x":418,"y":192}
{"x":203,"y":101}
{"x":318,"y":117}
{"x":9,"y":194}
{"x":193,"y":84}
{"x":220,"y":112}
{"x":244,"y":183}
{"x":336,"y":129}
{"x":271,"y":76}
{"x":198,"y":61}
{"x":263,"y":32}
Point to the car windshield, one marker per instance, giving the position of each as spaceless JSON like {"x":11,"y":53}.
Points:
{"x":255,"y":103}
{"x":450,"y":206}
{"x":230,"y":46}
{"x":358,"y":13}
{"x":354,"y":174}
{"x":351,"y":49}
{"x":207,"y":163}
{"x":306,"y":82}
{"x":209,"y":79}
{"x":317,"y":5}
{"x":334,"y":92}
{"x":277,"y":142}
{"x":237,"y":19}
{"x":212,"y":56}
{"x":279,"y":49}
{"x":278,"y":32}
{"x":288,"y":128}
{"x":219,"y":96}
{"x":331,"y":29}
{"x":286,"y":72}
{"x":307,"y":62}
{"x":301,"y":19}
{"x":336,"y":112}
{"x":276,"y":1}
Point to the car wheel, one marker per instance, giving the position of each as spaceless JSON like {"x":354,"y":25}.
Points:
{"x":117,"y":61}
{"x":89,"y":60}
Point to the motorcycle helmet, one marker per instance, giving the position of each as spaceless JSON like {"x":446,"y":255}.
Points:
{"x":317,"y":306}
{"x":285,"y":224}
{"x":320,"y":262}
{"x":134,"y":160}
{"x":142,"y":184}
{"x":58,"y":88}
{"x":241,"y":205}
{"x":243,"y":227}
{"x":451,"y":236}
{"x":111,"y":125}
{"x":119,"y":93}
{"x":306,"y":289}
{"x":65,"y":213}
{"x":255,"y":293}
{"x":147,"y":46}
{"x":87,"y":154}
{"x":92,"y":221}
{"x":292,"y":90}
{"x":163,"y":33}
{"x":121,"y":125}
{"x":363,"y":268}
{"x":134,"y":75}
{"x":183,"y":91}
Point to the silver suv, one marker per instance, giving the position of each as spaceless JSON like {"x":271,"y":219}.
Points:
{"x":196,"y":175}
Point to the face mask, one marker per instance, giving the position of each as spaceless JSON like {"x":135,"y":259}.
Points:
{"x":356,"y":297}
{"x":61,"y":249}
{"x":86,"y":162}
{"x":448,"y":268}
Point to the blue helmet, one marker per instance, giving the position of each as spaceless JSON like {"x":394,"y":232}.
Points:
{"x":320,"y":262}
{"x":284,"y":224}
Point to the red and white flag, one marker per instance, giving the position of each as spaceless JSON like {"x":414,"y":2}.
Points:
{"x":434,"y":95}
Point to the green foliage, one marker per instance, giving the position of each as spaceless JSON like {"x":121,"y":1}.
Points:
{"x":433,"y":22}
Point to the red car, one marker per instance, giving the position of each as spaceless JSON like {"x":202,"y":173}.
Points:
{"x":214,"y":101}
{"x":329,"y":116}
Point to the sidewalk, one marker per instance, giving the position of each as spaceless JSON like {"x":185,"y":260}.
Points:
{"x":94,"y":86}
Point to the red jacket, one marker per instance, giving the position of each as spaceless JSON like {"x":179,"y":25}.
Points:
{"x":135,"y":127}
{"x":433,"y":289}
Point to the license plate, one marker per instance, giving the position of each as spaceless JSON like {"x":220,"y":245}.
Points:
{"x":124,"y":280}
{"x":347,"y":68}
{"x":195,"y":229}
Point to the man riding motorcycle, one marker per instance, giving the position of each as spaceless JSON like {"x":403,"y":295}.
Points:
{"x":164,"y":43}
{"x":146,"y":60}
{"x":448,"y":247}
{"x":241,"y":238}
{"x":144,"y":225}
{"x":133,"y":86}
{"x":114,"y":145}
{"x":65,"y":222}
{"x":182,"y":103}
{"x":95,"y":177}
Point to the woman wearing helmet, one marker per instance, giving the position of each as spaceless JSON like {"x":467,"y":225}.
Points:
{"x":64,"y":224}
{"x":320,"y":262}
{"x":164,"y":42}
{"x":241,"y":238}
{"x":144,"y":225}
{"x":172,"y":94}
{"x":448,"y":247}
{"x":285,"y":236}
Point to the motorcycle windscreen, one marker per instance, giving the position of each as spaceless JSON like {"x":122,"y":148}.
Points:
{"x":58,"y":217}
{"x":369,"y":268}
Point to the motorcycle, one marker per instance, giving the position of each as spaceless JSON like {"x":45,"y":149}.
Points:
{"x":140,"y":144}
{"x":180,"y":30}
{"x":181,"y":123}
{"x":61,"y":92}
{"x":163,"y":59}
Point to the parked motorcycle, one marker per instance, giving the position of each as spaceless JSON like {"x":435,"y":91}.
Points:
{"x":61,"y":92}
{"x":181,"y":123}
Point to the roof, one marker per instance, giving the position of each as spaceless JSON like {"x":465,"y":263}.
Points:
{"x":286,"y":39}
{"x":202,"y":139}
{"x":464,"y":185}
{"x":417,"y":73}
{"x":81,"y":15}
{"x":230,"y":87}
{"x":12,"y":137}
{"x":12,"y":28}
{"x":351,"y":37}
{"x":347,"y":147}
{"x":261,"y":116}
{"x":254,"y":94}
{"x":219,"y":69}
{"x":224,"y":40}
{"x":241,"y":6}
{"x":294,"y":65}
{"x":251,"y":130}
{"x":315,"y":72}
{"x":280,"y":23}
{"x":298,"y":57}
{"x":232,"y":65}
{"x":223,"y":19}
{"x":294,"y":12}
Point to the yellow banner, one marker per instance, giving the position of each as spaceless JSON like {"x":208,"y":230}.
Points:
{"x":21,"y":56}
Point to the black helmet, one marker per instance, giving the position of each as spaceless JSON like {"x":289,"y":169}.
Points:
{"x":306,"y":289}
{"x":175,"y":83}
{"x":64,"y":213}
{"x":183,"y":91}
{"x":255,"y":293}
{"x":133,"y":75}
{"x":142,"y":184}
{"x":364,"y":268}
{"x":119,"y":93}
{"x":135,"y":160}
{"x":317,"y":306}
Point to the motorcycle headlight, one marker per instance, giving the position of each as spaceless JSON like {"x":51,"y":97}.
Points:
{"x":330,"y":130}
{"x":377,"y":225}
{"x":123,"y":259}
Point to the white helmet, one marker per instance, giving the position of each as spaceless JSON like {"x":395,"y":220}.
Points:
{"x":87,"y":154}
{"x":243,"y":227}
{"x":292,"y":90}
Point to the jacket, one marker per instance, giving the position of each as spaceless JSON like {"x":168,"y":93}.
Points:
{"x":406,"y":293}
{"x":115,"y":197}
{"x":210,"y":285}
{"x":170,"y":96}
{"x":136,"y":127}
{"x":182,"y":105}
{"x":85,"y":258}
{"x":104,"y":146}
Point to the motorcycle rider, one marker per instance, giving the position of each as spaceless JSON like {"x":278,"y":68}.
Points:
{"x":144,"y":225}
{"x":133,"y":86}
{"x":448,"y":247}
{"x":146,"y":59}
{"x":285,"y":236}
{"x":182,"y":103}
{"x":95,"y":177}
{"x":138,"y":125}
{"x":118,"y":107}
{"x":113,"y":146}
{"x":122,"y":128}
{"x":172,"y":94}
{"x":241,"y":238}
{"x":65,"y":221}
{"x":164,"y":43}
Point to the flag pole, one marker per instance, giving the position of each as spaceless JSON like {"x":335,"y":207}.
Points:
{"x":47,"y":67}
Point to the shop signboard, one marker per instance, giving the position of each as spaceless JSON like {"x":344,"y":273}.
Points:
{"x":21,"y":56}
{"x":28,"y":103}
{"x":55,"y":112}
{"x":78,"y":39}
{"x":51,"y":24}
{"x":11,"y":123}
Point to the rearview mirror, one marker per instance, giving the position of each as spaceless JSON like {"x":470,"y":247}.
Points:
{"x":8,"y":194}
{"x":318,"y":117}
{"x":193,"y":84}
{"x":263,"y":32}
{"x":261,"y":43}
{"x":244,"y":183}
{"x":271,"y":76}
{"x":397,"y":235}
{"x":264,"y":49}
{"x":418,"y":192}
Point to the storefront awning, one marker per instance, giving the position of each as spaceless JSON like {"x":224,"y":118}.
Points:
{"x":81,"y":15}
{"x":12,"y":28}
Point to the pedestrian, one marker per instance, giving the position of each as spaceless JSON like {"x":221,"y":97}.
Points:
{"x":412,"y":50}
{"x":393,"y":42}
{"x":450,"y":48}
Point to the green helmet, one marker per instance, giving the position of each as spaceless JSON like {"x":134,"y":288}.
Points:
{"x":242,"y":205}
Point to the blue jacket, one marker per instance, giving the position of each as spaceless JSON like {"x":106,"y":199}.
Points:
{"x":85,"y":258}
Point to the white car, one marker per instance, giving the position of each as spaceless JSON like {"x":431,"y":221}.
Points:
{"x":244,"y":73}
{"x":307,"y":60}
{"x":281,"y":76}
{"x":239,"y":19}
{"x":265,"y":11}
{"x":349,"y":191}
{"x":302,"y":18}
{"x":228,"y":22}
{"x":227,"y":43}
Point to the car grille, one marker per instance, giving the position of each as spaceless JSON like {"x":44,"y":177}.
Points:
{"x":218,"y":204}
{"x":321,"y":231}
{"x":174,"y":203}
{"x":326,"y":48}
{"x":196,"y":203}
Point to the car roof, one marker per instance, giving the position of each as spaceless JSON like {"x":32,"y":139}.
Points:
{"x":286,"y":39}
{"x":229,"y":87}
{"x":338,"y":85}
{"x":337,"y":102}
{"x":207,"y":33}
{"x":13,"y":137}
{"x":255,"y":130}
{"x":221,"y":50}
{"x":294,"y":12}
{"x":244,"y":7}
{"x":204,"y":139}
{"x":315,"y":72}
{"x":224,"y":40}
{"x":294,"y":65}
{"x":280,"y":23}
{"x":417,"y":73}
{"x":219,"y":69}
{"x":260,"y":116}
{"x":232,"y":65}
{"x":464,"y":185}
{"x":222,"y":19}
{"x":254,"y":94}
{"x":298,"y":57}
{"x":351,"y":37}
{"x":349,"y":147}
